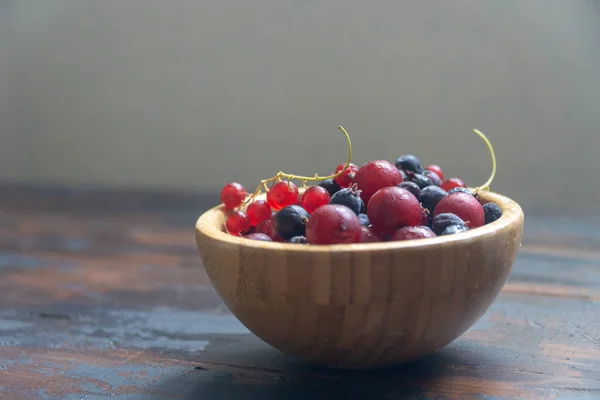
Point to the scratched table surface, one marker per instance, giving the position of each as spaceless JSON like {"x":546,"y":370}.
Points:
{"x":103,"y":295}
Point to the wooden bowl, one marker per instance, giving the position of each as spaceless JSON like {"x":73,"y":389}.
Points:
{"x":361,"y":306}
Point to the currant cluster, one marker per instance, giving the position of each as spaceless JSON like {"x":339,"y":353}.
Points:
{"x":378,"y":201}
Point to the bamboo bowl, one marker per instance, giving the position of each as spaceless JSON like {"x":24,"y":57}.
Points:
{"x":361,"y":306}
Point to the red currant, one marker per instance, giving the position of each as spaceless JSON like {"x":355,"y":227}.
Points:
{"x":425,"y":217}
{"x":465,"y":206}
{"x":282,"y":194}
{"x":392,"y":208}
{"x":258,"y":211}
{"x":367,"y":235}
{"x":237,"y":223}
{"x":437,"y":170}
{"x":453,"y":183}
{"x":376,"y":175}
{"x":346,"y":178}
{"x":267,"y":227}
{"x":331,"y":224}
{"x":232,"y":195}
{"x":314,"y":197}
{"x":259,"y":236}
{"x":413,"y":232}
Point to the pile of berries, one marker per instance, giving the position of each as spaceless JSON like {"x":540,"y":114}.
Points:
{"x":378,"y":201}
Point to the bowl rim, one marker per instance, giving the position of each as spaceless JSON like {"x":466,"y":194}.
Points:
{"x":511,"y":215}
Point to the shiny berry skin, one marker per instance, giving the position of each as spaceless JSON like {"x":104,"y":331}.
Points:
{"x":436,"y":168}
{"x":461,"y":189}
{"x":411,"y":187}
{"x":409,"y":163}
{"x":364,"y":219}
{"x":259,"y":236}
{"x":392,"y":208}
{"x":403,"y":175}
{"x":453,"y":229}
{"x":442,"y":221}
{"x":237,"y":223}
{"x":291,"y":221}
{"x":330,"y":185}
{"x":413,"y":232}
{"x":332,"y":224}
{"x":425,"y":218}
{"x":282,"y":194}
{"x":367,"y":235}
{"x":431,"y":196}
{"x":298,"y":240}
{"x":314,"y":197}
{"x":452,"y":183}
{"x":258,"y":211}
{"x":375,"y":175}
{"x":267,"y":227}
{"x":232,"y":195}
{"x":350,"y":198}
{"x":421,"y":180}
{"x":433,"y":177}
{"x":465,"y":206}
{"x":346,"y":178}
{"x":492,"y":212}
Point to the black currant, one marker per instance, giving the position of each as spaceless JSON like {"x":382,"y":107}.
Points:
{"x":349,"y":197}
{"x":330,"y":185}
{"x":421,"y":180}
{"x":409,"y":163}
{"x":452,"y":229}
{"x":433,"y":177}
{"x":298,"y":240}
{"x":442,"y":221}
{"x":291,"y":221}
{"x":430,"y":196}
{"x":462,"y":190}
{"x":411,"y":187}
{"x":364,"y":219}
{"x":492,"y":212}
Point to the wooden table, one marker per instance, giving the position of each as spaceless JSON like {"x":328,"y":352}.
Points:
{"x":103,"y":295}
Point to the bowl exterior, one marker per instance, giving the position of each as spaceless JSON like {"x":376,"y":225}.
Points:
{"x":362,"y":308}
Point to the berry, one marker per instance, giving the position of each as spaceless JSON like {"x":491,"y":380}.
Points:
{"x":431,"y":196}
{"x":376,"y":175}
{"x":314,"y":197}
{"x":492,"y":212}
{"x":237,"y":223}
{"x":421,"y":180}
{"x":453,"y":183}
{"x":349,"y":197}
{"x":267,"y":227}
{"x":333,"y":223}
{"x":298,"y":240}
{"x":411,"y":187}
{"x":403,"y":175}
{"x":259,"y":236}
{"x":364,"y":219}
{"x":232,"y":195}
{"x":258,"y":211}
{"x":462,"y":190}
{"x":409,"y":163}
{"x":436,"y":168}
{"x":346,"y":178}
{"x":441,"y":221}
{"x":425,"y":218}
{"x":367,"y":235}
{"x":452,"y":229}
{"x":330,"y":185}
{"x":392,"y":208}
{"x":465,"y":206}
{"x":433,"y":177}
{"x":282,"y":194}
{"x":291,"y":221}
{"x":413,"y":232}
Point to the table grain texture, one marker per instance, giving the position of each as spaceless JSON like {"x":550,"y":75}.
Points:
{"x":103,"y":296}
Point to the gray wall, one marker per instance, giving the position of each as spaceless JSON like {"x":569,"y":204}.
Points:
{"x":191,"y":94}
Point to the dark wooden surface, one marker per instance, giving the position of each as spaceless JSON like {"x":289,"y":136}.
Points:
{"x":103,"y":296}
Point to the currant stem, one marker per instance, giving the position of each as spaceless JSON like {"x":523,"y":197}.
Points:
{"x":282,"y":175}
{"x":486,"y":185}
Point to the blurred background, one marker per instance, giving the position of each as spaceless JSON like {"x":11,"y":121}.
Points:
{"x":188,"y":94}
